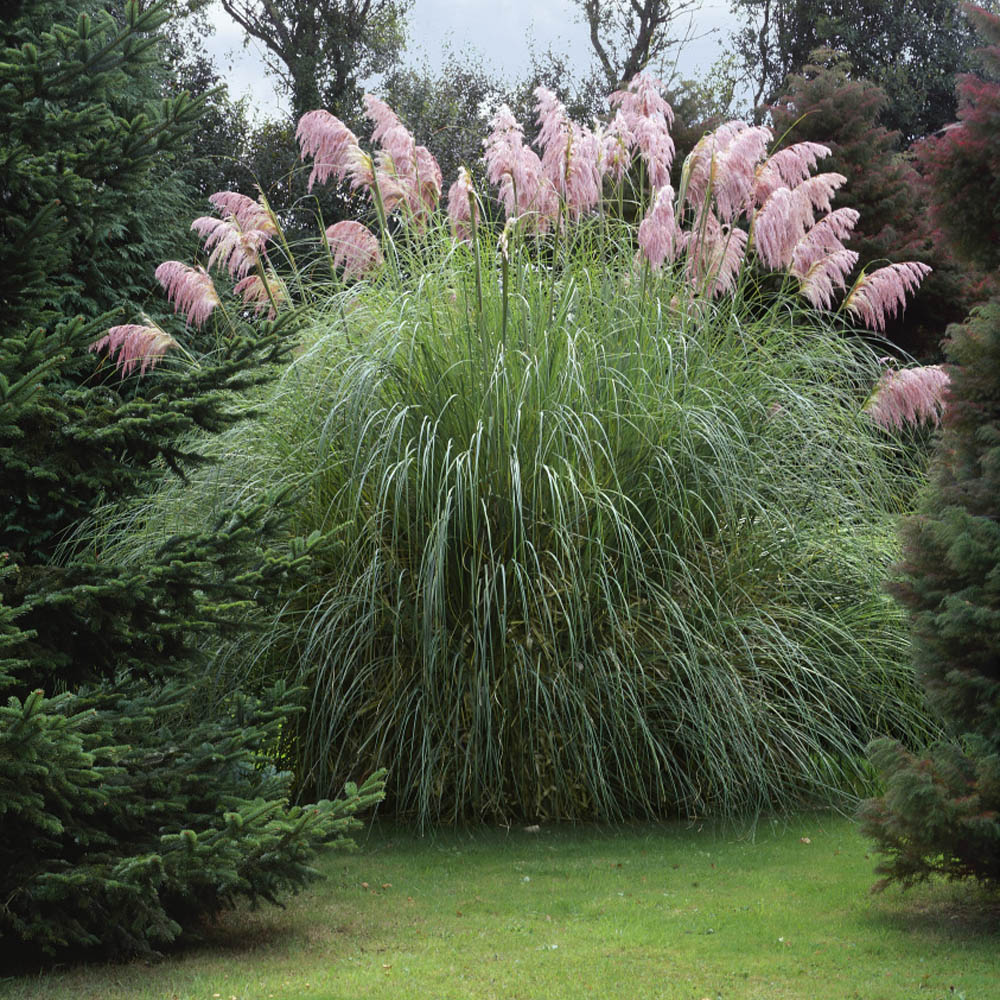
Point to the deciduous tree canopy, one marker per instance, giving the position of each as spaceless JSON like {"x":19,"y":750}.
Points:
{"x":911,"y":50}
{"x":321,"y":48}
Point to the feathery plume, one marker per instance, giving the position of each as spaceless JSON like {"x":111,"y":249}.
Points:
{"x":779,"y":225}
{"x":255,"y":293}
{"x":715,"y":253}
{"x":911,"y":396}
{"x":406,"y":174}
{"x":615,"y":143}
{"x":648,"y":118}
{"x":381,"y":116}
{"x":463,"y":210}
{"x":248,"y":212}
{"x":569,"y":155}
{"x":517,"y":171}
{"x":189,"y":289}
{"x":232,"y":247}
{"x":135,"y":345}
{"x":332,"y":145}
{"x":820,"y":261}
{"x":878,"y":296}
{"x":354,"y":247}
{"x":789,"y":167}
{"x":823,"y":274}
{"x":736,"y":168}
{"x":819,"y":190}
{"x":658,"y":232}
{"x":702,"y":162}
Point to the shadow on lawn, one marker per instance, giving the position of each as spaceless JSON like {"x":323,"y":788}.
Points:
{"x":940,"y":910}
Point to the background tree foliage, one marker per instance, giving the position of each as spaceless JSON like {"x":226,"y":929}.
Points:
{"x":827,"y":103}
{"x":940,"y":813}
{"x":321,"y":49}
{"x":632,"y":35}
{"x":911,"y":50}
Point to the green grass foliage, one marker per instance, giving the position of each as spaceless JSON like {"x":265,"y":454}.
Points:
{"x":583,"y":546}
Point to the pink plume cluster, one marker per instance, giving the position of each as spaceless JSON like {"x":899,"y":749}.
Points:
{"x":135,"y":345}
{"x":260,"y":296}
{"x":715,"y":254}
{"x":789,"y":167}
{"x":911,"y":396}
{"x":333,"y":147}
{"x":524,"y":189}
{"x":660,"y":238}
{"x":646,"y":119}
{"x":403,"y":173}
{"x":878,"y":296}
{"x":355,"y":249}
{"x":237,"y":241}
{"x":189,"y":289}
{"x":570,"y":155}
{"x":248,"y":212}
{"x":463,"y":209}
{"x":615,"y":148}
{"x":406,"y":174}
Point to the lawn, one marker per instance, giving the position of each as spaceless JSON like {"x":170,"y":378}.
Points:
{"x":671,"y":912}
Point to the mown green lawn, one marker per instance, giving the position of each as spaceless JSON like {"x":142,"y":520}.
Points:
{"x":671,"y":912}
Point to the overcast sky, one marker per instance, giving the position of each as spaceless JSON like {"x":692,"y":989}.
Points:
{"x":500,"y":32}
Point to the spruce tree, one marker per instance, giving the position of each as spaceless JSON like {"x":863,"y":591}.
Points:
{"x":940,"y":813}
{"x":132,"y":804}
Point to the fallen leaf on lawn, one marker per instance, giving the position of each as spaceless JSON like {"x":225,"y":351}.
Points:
{"x":805,"y":840}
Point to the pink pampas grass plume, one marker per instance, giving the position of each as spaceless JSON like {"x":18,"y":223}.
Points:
{"x":463,"y":209}
{"x":381,"y":116}
{"x":570,"y":155}
{"x":819,"y":190}
{"x":332,"y":145}
{"x":702,"y":162}
{"x":658,"y":231}
{"x":248,"y":212}
{"x":878,"y":296}
{"x":825,"y":273}
{"x":429,"y":178}
{"x":642,"y":98}
{"x":715,"y":254}
{"x":648,"y":118}
{"x":231,"y":247}
{"x":135,"y":345}
{"x":517,"y":171}
{"x":908,"y":397}
{"x":789,"y":167}
{"x":260,"y":296}
{"x":189,"y":289}
{"x":355,"y":249}
{"x":778,"y":227}
{"x":615,"y":142}
{"x":736,"y":170}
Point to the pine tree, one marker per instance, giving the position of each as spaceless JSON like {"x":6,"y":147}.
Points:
{"x":941,"y":810}
{"x":132,"y":804}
